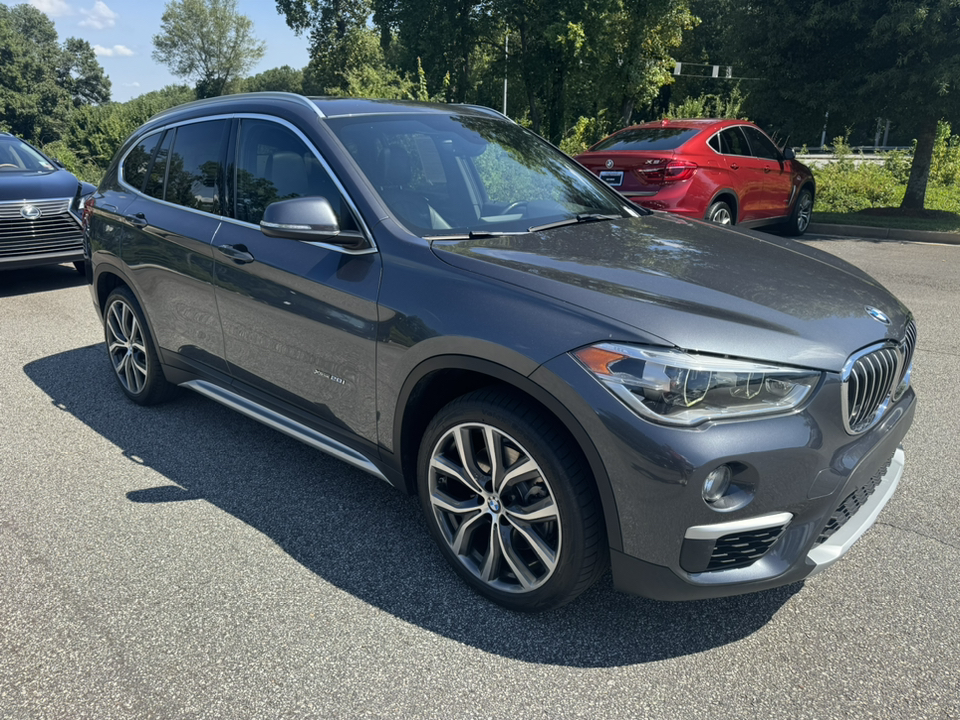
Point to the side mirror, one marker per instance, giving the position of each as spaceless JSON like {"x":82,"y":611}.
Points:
{"x":307,"y":218}
{"x":789,"y":154}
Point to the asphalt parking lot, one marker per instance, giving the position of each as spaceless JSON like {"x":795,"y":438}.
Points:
{"x":183,"y":561}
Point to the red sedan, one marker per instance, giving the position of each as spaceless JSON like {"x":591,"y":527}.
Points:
{"x":724,"y":171}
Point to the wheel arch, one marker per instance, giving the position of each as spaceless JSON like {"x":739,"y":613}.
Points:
{"x":108,"y":277}
{"x":440,"y":379}
{"x":729,"y":196}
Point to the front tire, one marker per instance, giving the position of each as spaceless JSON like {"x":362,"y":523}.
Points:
{"x":132,"y":353}
{"x":510,"y":502}
{"x":802,"y":212}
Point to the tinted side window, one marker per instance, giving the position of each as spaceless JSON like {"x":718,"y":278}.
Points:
{"x":137,"y":164}
{"x":158,"y":171}
{"x":273,"y":164}
{"x":196,"y":168}
{"x":761,"y":145}
{"x":732,"y":142}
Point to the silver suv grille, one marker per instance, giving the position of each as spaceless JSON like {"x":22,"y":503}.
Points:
{"x":873,"y":377}
{"x":55,"y":230}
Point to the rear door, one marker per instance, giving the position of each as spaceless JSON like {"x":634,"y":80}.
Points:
{"x":299,"y":318}
{"x":168,"y":231}
{"x":743,"y":171}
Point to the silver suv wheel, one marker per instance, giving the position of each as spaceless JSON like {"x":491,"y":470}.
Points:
{"x":494,"y":507}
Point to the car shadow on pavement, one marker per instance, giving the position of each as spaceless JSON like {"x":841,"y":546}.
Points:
{"x":39,"y":279}
{"x":367,"y":538}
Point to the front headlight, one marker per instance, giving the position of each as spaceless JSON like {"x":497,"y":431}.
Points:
{"x":679,"y":388}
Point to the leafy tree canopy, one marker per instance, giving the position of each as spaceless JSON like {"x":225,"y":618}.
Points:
{"x":207,"y":41}
{"x":566,"y":59}
{"x":42,"y":80}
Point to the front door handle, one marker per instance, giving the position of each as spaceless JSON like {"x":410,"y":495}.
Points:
{"x":237,"y":253}
{"x":734,"y":166}
{"x":138,"y":220}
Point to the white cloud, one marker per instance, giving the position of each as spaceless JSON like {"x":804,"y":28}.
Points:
{"x":133,"y":84}
{"x":115,"y":51}
{"x":52,"y":8}
{"x":99,"y":17}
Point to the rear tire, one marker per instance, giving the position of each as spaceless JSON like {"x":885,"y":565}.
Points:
{"x":719,"y":213}
{"x":510,"y":502}
{"x":131,"y":350}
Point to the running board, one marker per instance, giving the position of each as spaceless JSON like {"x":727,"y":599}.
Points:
{"x":285,"y":425}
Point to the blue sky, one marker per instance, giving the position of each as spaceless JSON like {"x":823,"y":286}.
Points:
{"x":121,"y":32}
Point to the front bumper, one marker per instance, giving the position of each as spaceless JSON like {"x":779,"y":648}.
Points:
{"x":817,"y":490}
{"x":786,"y":561}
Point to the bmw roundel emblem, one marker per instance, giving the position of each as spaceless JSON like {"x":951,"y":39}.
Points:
{"x":30,"y":212}
{"x":609,"y":164}
{"x":877,"y":315}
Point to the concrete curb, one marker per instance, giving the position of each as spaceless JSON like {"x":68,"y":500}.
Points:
{"x":948,"y":238}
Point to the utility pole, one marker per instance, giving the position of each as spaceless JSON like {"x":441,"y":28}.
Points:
{"x":506,"y":59}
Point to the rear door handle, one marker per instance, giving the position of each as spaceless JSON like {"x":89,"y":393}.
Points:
{"x":734,"y":166}
{"x":139,"y":220}
{"x":237,"y":253}
{"x":767,"y":169}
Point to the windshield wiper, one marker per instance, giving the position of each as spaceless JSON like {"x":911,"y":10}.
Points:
{"x":472,"y":235}
{"x":575,"y":220}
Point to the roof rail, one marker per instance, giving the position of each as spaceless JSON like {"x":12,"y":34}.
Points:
{"x":225,"y":99}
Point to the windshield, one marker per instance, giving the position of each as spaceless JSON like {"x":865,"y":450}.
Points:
{"x":446,"y":175}
{"x":647,"y":138}
{"x":17,"y":156}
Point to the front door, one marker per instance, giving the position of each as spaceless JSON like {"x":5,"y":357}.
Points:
{"x":299,"y":318}
{"x":777,"y":179}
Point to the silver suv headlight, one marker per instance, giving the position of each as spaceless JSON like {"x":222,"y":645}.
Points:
{"x":680,"y":388}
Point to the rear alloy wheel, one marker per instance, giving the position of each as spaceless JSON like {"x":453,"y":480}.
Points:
{"x":719,"y":213}
{"x":132,"y":353}
{"x":802,"y":212}
{"x":510,"y":503}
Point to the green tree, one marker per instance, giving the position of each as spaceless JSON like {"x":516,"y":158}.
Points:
{"x":41,"y":81}
{"x":93,"y":134}
{"x":283,"y":79}
{"x":207,"y":41}
{"x":857,"y":59}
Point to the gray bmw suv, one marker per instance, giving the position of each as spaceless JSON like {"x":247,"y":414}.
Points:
{"x":436,"y":296}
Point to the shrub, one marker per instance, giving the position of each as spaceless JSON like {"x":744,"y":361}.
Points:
{"x":945,"y":168}
{"x":585,"y":132}
{"x":846,"y":185}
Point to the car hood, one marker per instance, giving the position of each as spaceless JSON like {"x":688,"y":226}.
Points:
{"x":37,"y":186}
{"x":697,"y":286}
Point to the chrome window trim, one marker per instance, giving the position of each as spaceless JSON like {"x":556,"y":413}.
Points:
{"x":364,"y":228}
{"x":739,"y":125}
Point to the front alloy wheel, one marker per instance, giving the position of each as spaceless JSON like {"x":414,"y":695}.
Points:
{"x":495,"y":508}
{"x":510,"y":501}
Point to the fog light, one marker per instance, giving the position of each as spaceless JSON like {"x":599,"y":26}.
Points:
{"x":717,"y":483}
